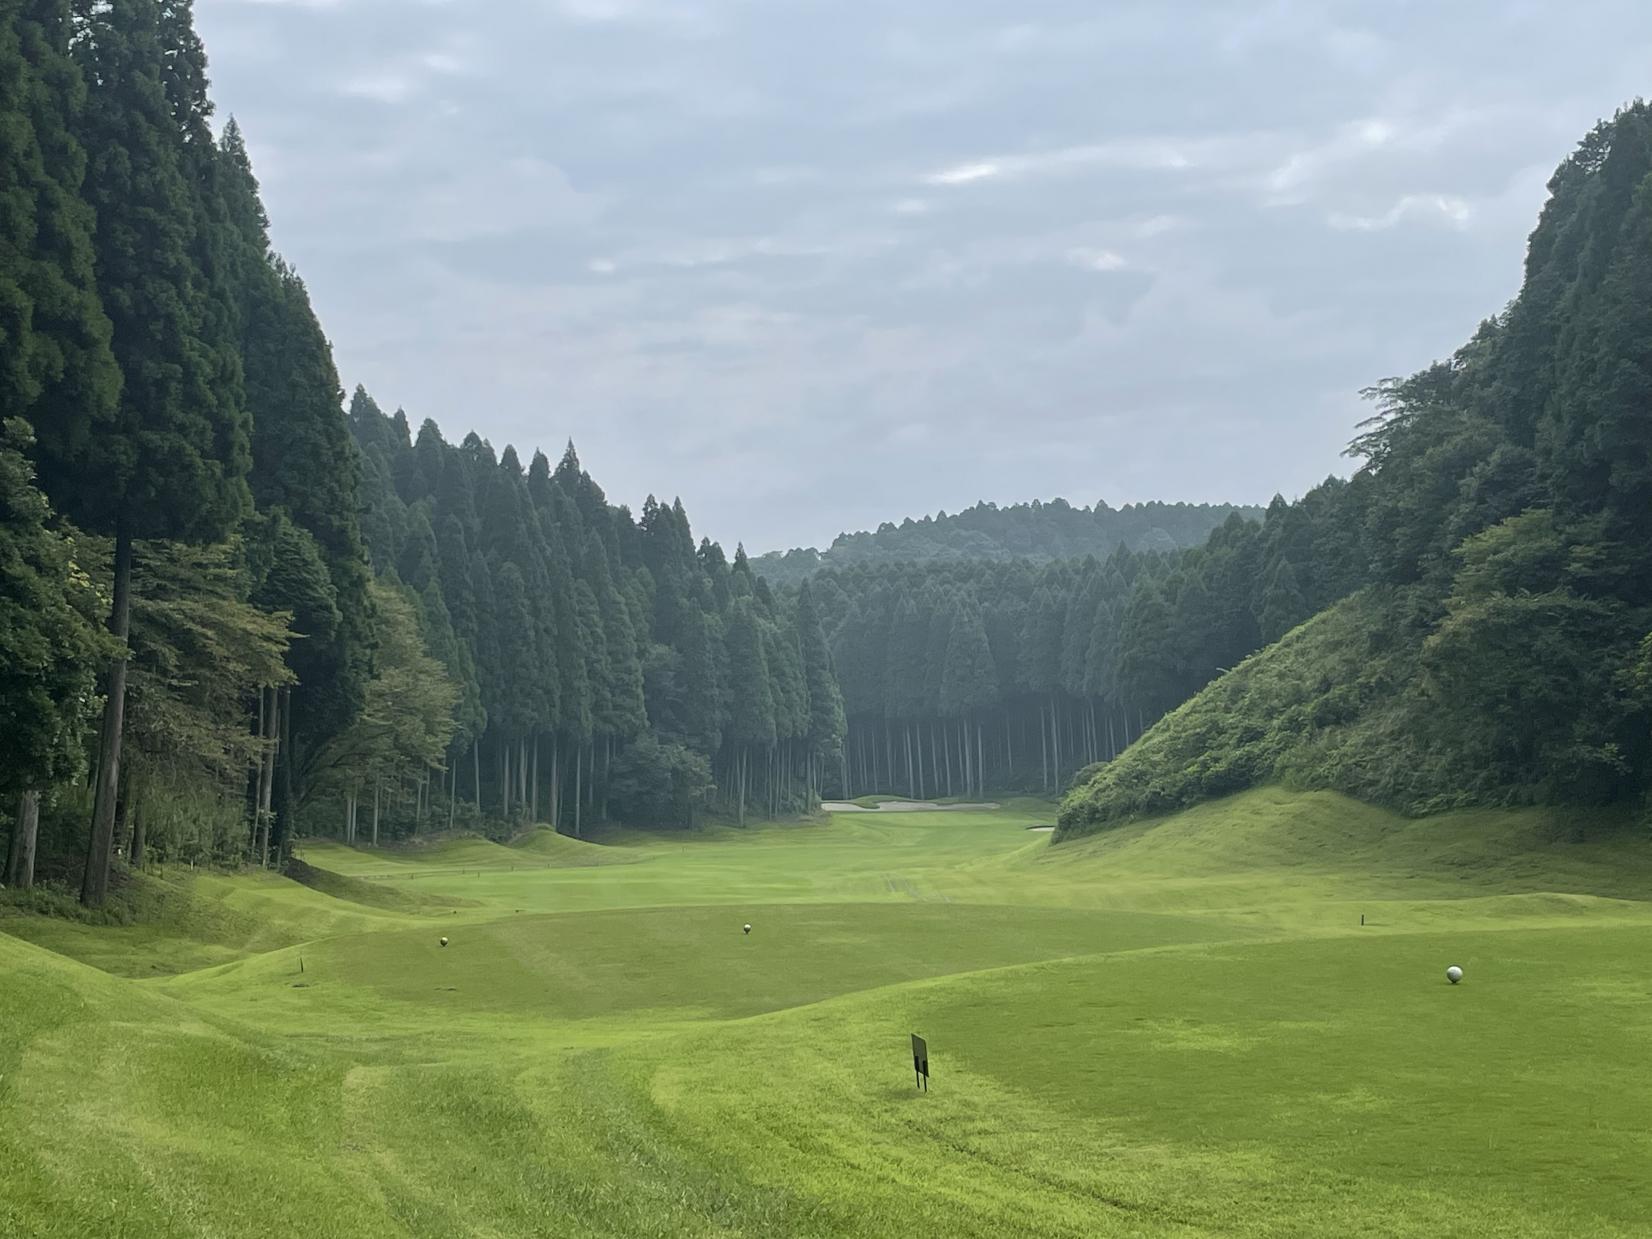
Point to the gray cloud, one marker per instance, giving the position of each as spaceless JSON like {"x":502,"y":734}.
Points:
{"x":816,"y":265}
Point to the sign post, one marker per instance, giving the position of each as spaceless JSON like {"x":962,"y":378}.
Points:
{"x":920,"y":1061}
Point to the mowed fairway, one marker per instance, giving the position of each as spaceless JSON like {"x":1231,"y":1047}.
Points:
{"x":1180,"y":1028}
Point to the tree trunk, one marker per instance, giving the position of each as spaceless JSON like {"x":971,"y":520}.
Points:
{"x":607,"y":767}
{"x":266,"y":788}
{"x":284,"y":772}
{"x":476,"y":771}
{"x":1055,"y":740}
{"x":533,"y":804}
{"x":1044,"y":747}
{"x":505,"y":777}
{"x":376,"y":784}
{"x":579,"y":768}
{"x":136,"y":856}
{"x":117,"y":838}
{"x":262,"y":732}
{"x":94,"y":887}
{"x":25,"y":832}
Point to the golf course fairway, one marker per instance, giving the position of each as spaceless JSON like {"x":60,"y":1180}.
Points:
{"x":1179,"y":1027}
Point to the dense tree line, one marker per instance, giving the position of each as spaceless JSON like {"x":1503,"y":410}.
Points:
{"x":1501,"y":522}
{"x":1038,"y":532}
{"x":960,"y":677}
{"x":229,"y":610}
{"x":202,"y":653}
{"x":176,"y":463}
{"x":606,"y":664}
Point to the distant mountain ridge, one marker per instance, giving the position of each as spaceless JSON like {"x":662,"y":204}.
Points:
{"x":1036,"y":531}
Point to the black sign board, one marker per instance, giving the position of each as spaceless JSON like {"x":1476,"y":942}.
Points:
{"x":920,"y":1061}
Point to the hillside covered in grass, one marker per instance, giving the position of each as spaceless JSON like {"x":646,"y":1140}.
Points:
{"x":1497,"y":651}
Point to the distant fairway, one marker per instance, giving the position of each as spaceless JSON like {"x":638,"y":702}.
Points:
{"x":1176,"y":1028}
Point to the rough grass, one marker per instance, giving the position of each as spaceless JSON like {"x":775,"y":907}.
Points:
{"x":1174,"y":1028}
{"x":371,"y":894}
{"x":1339,"y":704}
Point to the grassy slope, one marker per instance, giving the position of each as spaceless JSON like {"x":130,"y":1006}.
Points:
{"x":179,"y":920}
{"x":1172,"y":1028}
{"x":1334,"y":704}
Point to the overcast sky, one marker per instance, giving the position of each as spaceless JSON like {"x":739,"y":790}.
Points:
{"x":816,"y":264}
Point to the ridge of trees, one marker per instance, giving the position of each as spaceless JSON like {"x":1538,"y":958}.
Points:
{"x":963,"y":676}
{"x":284,"y":617}
{"x":232,"y":612}
{"x":605,"y":664}
{"x":1038,"y":532}
{"x":176,"y":459}
{"x":1500,"y":526}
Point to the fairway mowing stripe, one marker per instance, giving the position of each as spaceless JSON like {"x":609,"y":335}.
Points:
{"x":1342,"y":1088}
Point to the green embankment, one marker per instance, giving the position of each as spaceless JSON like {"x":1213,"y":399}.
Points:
{"x":1339,"y":703}
{"x":1175,"y":1027}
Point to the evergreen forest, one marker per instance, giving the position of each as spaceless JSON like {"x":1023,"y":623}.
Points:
{"x":401,"y":836}
{"x":1036,"y":531}
{"x":237,"y":610}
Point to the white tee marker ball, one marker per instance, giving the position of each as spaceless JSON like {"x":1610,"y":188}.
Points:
{"x":1454,"y":974}
{"x":444,"y":941}
{"x":745,"y":929}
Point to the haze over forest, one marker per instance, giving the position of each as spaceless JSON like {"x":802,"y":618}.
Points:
{"x":822,"y":268}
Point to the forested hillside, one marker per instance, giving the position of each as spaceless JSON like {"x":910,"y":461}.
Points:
{"x":1036,"y":532}
{"x":232,"y":612}
{"x":1499,"y":651}
{"x":200,"y":652}
{"x":164,"y":377}
{"x":960,"y":677}
{"x":603,"y":664}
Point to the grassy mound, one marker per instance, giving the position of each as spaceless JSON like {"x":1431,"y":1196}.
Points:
{"x":1376,"y":698}
{"x":1333,"y":704}
{"x":369,"y":894}
{"x":1230,"y":850}
{"x":558,"y":849}
{"x":542,"y":848}
{"x":178,"y":919}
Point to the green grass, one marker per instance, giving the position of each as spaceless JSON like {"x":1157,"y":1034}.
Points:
{"x":1340,"y":703}
{"x":1175,"y":1027}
